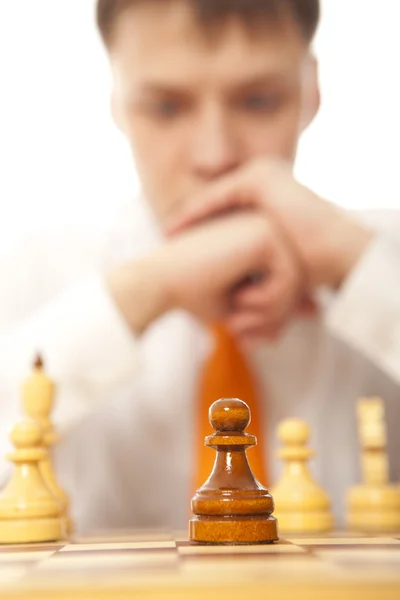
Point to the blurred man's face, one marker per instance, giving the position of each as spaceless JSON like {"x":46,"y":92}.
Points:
{"x":195,"y":108}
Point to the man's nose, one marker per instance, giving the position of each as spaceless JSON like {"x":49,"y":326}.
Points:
{"x":215,"y":145}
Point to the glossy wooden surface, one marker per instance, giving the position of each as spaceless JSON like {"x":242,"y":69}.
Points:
{"x":232,"y":507}
{"x":160,"y":566}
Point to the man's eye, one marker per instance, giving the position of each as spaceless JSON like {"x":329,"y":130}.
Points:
{"x":260,"y":102}
{"x":166,"y":108}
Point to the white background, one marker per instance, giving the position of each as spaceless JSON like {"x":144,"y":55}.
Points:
{"x":62,"y":161}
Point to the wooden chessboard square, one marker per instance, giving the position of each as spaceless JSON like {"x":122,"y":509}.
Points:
{"x":345,"y":541}
{"x":116,"y":546}
{"x":367,"y":557}
{"x":19,"y":557}
{"x":10,"y":574}
{"x":115,"y":553}
{"x":110,"y":561}
{"x":260,"y":568}
{"x":126,"y":536}
{"x":161,"y":568}
{"x":34,"y":548}
{"x":278,"y":548}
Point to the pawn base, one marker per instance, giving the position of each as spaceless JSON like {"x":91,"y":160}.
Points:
{"x":232,"y":530}
{"x":374,"y":521}
{"x":374,"y":509}
{"x":312,"y":521}
{"x":27,"y":531}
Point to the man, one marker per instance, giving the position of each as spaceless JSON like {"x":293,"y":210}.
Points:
{"x":212,"y":96}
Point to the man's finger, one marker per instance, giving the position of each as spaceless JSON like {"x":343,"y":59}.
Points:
{"x":261,"y":321}
{"x":251,"y":297}
{"x":230,"y":193}
{"x":244,"y":321}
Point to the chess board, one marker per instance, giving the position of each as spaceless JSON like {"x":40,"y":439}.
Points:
{"x":160,"y":565}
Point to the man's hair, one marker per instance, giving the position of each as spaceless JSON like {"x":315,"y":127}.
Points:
{"x":212,"y":12}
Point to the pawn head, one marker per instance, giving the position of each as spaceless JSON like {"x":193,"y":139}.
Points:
{"x":229,"y":414}
{"x":293,"y":432}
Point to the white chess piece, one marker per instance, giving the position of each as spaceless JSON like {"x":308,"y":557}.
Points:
{"x":373,"y":506}
{"x":38,"y":392}
{"x":28,"y":510}
{"x":301,"y":505}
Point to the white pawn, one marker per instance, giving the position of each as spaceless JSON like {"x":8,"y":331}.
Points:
{"x":28,"y":510}
{"x":374,"y":505}
{"x":301,"y":505}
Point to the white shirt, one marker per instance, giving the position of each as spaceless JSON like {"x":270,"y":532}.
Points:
{"x":124,"y":406}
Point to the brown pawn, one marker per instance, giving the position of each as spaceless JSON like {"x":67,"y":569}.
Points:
{"x":232,"y":507}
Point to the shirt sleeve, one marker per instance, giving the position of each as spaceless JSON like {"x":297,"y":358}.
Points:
{"x":366,"y":311}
